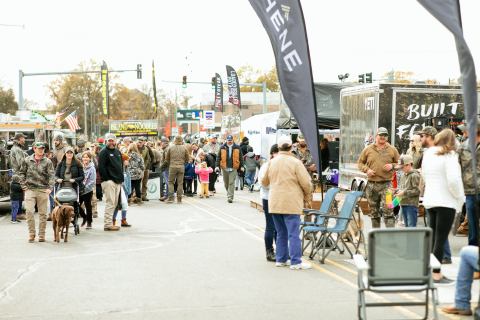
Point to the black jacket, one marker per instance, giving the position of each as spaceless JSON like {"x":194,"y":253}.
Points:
{"x":76,"y":170}
{"x":110,"y":165}
{"x":16,"y":192}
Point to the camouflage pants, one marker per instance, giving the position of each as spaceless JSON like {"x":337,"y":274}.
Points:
{"x":376,"y":193}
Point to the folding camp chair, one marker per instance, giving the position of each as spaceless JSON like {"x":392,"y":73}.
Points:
{"x":329,"y":206}
{"x":325,"y":240}
{"x":399,"y":261}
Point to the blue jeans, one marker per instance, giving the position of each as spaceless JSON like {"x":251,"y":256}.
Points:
{"x":410,"y":214}
{"x":463,"y":288}
{"x":270,"y":233}
{"x":16,"y":207}
{"x":165,"y":179}
{"x":471,"y":216}
{"x":288,"y":238}
{"x":250,"y":177}
{"x":124,"y":214}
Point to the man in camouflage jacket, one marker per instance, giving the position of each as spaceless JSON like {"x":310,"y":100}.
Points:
{"x":17,"y":157}
{"x":37,"y":178}
{"x":465,"y":158}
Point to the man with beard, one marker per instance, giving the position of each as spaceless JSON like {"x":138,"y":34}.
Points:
{"x":59,"y":149}
{"x":303,"y":154}
{"x":110,"y":166}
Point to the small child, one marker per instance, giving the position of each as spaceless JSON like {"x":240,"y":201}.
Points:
{"x":409,"y":191}
{"x":203,"y":173}
{"x":16,"y":197}
{"x":188,"y":178}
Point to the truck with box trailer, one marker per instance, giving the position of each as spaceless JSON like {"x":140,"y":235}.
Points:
{"x":401,"y":108}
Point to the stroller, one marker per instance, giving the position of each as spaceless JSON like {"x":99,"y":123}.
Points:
{"x":70,"y":196}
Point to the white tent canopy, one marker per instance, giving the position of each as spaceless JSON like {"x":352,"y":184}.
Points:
{"x":261,"y":130}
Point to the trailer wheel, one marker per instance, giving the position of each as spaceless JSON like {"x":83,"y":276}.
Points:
{"x":362,"y":187}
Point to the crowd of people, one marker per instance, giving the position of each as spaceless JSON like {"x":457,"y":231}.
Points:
{"x":437,"y":168}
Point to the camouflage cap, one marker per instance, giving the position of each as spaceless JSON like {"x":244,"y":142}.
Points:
{"x":81,"y":143}
{"x":429,"y":130}
{"x":39,"y":144}
{"x":382,"y":131}
{"x":405,"y":159}
{"x":19,"y":135}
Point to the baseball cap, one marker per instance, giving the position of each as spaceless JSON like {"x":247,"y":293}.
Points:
{"x":142,"y":139}
{"x":429,"y":130}
{"x":69,"y":149}
{"x":110,"y":136}
{"x":81,"y":143}
{"x":229,"y":137}
{"x":382,"y":131}
{"x":284,"y":140}
{"x":405,"y":159}
{"x":100,"y":140}
{"x":19,"y":135}
{"x":39,"y":144}
{"x":164,"y":139}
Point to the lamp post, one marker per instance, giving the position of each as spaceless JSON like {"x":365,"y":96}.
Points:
{"x":343,"y":77}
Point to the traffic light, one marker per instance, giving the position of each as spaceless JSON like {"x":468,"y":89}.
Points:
{"x":139,"y":71}
{"x":361,"y":78}
{"x":214,"y":79}
{"x":368,"y":77}
{"x":184,"y":81}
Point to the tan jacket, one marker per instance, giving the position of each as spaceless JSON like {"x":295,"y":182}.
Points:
{"x":375,"y":159}
{"x":289,"y":184}
{"x":176,"y":156}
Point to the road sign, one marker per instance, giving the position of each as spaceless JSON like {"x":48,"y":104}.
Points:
{"x":189,"y":116}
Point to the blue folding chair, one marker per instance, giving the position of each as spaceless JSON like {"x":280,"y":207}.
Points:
{"x":329,"y":206}
{"x":325,"y":241}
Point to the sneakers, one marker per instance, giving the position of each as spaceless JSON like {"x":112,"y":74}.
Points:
{"x":89,"y":225}
{"x":282,"y":264}
{"x":111,"y":228}
{"x":271,"y":255}
{"x":125,"y":223}
{"x":230,"y":200}
{"x":444,"y":280}
{"x":145,"y":199}
{"x":447,"y":261}
{"x":454,"y":310}
{"x":15,"y":221}
{"x":301,"y":266}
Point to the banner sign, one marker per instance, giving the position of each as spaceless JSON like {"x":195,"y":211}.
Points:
{"x":192,"y":116}
{"x":154,"y":88}
{"x":125,"y":128}
{"x":233,"y":87}
{"x":105,"y":98}
{"x":449,"y":14}
{"x":283,"y":20}
{"x":218,"y":104}
{"x":209,"y":119}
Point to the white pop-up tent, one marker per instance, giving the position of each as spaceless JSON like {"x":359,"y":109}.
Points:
{"x":261,"y":131}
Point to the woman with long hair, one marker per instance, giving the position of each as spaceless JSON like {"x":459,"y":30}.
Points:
{"x":136,"y":169}
{"x":88,"y":187}
{"x":444,"y":194}
{"x":415,"y":150}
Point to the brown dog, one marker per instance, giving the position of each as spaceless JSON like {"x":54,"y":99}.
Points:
{"x":61,"y":217}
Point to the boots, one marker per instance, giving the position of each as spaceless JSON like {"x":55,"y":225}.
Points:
{"x":113,"y":222}
{"x":179,"y":199}
{"x":271,"y":255}
{"x":31,"y":238}
{"x":125,"y":223}
{"x":49,"y":218}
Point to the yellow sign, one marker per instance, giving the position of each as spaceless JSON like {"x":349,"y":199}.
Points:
{"x":105,"y":91}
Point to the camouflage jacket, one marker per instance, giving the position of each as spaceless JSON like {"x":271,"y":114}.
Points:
{"x":176,"y":156}
{"x":465,"y":159}
{"x":33,"y":175}
{"x":136,"y":166}
{"x":146,"y":154}
{"x":17,"y":157}
{"x":304,"y":156}
{"x":410,"y":185}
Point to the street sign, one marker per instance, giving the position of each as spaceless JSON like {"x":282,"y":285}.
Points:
{"x":189,"y":116}
{"x":209,"y":119}
{"x":174,"y":131}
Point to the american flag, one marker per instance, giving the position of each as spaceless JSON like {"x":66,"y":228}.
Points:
{"x":72,"y":121}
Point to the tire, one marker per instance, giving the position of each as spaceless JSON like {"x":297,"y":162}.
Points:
{"x":354,"y":186}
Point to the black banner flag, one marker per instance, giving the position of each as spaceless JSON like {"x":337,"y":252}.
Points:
{"x":105,"y":95}
{"x":233,"y":87}
{"x":154,"y":88}
{"x":283,"y":20}
{"x":218,"y":104}
{"x":449,"y":14}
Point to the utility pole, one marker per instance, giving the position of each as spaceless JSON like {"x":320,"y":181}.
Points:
{"x":85,"y":129}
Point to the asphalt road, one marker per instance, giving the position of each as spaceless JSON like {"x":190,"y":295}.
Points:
{"x":203,"y":259}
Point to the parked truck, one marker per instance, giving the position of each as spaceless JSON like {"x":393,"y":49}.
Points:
{"x":401,"y":108}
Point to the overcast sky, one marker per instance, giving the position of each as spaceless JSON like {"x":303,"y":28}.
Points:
{"x":198,"y":38}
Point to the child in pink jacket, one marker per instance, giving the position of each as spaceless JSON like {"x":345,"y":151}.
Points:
{"x":203,"y":173}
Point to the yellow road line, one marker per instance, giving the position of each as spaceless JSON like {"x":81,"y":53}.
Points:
{"x":345,"y":281}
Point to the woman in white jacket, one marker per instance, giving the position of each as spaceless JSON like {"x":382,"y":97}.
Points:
{"x":444,"y":194}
